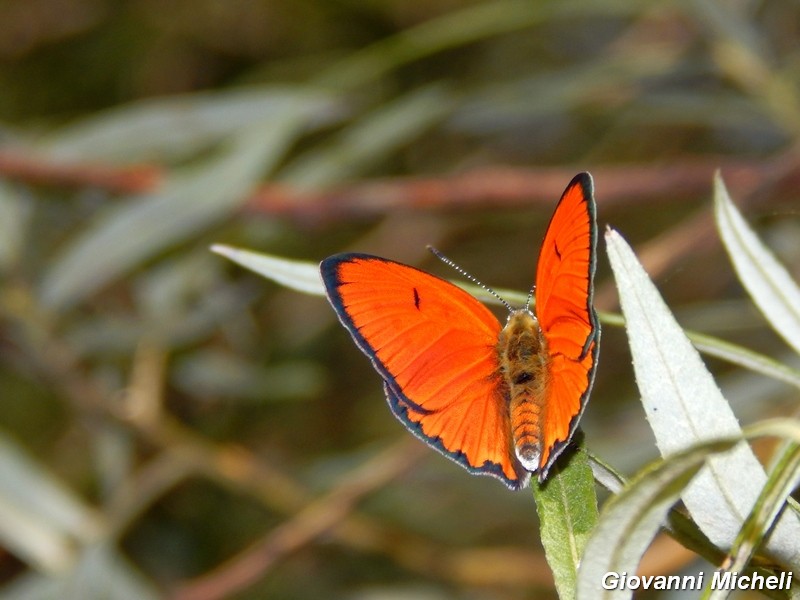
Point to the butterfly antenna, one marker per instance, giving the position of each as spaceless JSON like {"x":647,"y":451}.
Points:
{"x":473,"y":279}
{"x":530,"y":297}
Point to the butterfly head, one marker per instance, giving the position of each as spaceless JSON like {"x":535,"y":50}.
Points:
{"x":521,"y":316}
{"x":522,"y":322}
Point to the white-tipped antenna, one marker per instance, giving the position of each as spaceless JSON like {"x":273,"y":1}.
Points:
{"x":530,"y":297}
{"x":447,"y":261}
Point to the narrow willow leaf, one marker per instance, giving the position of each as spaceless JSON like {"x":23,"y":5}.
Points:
{"x":451,"y":30}
{"x":303,"y":276}
{"x":101,"y":572}
{"x":40,"y":519}
{"x":727,"y":351}
{"x":294,"y":274}
{"x":606,"y":475}
{"x":138,"y":228}
{"x":685,"y":407}
{"x":457,"y":28}
{"x":780,"y":484}
{"x":782,"y":481}
{"x":176,"y":127}
{"x":631,"y":519}
{"x":39,"y":544}
{"x":765,"y":279}
{"x":744,"y":357}
{"x":567,"y":508}
{"x":104,"y":573}
{"x":370,"y":138}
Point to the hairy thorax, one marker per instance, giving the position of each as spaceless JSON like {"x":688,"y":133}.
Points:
{"x":522,"y":349}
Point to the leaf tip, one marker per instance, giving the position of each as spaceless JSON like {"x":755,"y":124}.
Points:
{"x":223,"y":250}
{"x":611,"y":233}
{"x":721,"y":196}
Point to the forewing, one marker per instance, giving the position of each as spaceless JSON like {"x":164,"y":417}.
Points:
{"x":435,"y":347}
{"x":564,"y":294}
{"x":565,"y":273}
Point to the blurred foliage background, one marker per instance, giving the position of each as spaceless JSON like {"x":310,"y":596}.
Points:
{"x":172,"y":426}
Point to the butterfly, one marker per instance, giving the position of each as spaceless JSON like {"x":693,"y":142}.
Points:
{"x":499,"y":400}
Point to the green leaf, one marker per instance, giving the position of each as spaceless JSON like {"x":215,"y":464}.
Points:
{"x":684,"y":407}
{"x":101,"y":573}
{"x":371,"y":137}
{"x":630,"y":520}
{"x":782,"y":481}
{"x":138,"y":228}
{"x":301,"y":276}
{"x":40,"y":519}
{"x":780,"y":484}
{"x":458,"y":28}
{"x":744,"y":357}
{"x":765,"y":279}
{"x":177,"y":127}
{"x":567,"y":507}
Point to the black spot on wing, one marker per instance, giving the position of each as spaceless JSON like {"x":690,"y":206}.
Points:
{"x":416,"y":299}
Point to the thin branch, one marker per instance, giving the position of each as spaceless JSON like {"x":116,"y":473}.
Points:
{"x":42,"y":171}
{"x":316,"y":519}
{"x":507,"y":187}
{"x":695,"y":235}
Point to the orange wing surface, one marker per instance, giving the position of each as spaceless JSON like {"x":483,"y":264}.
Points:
{"x":435,"y":347}
{"x":564,"y":291}
{"x":449,"y":374}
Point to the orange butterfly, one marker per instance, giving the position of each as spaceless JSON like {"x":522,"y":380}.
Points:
{"x":500,"y":401}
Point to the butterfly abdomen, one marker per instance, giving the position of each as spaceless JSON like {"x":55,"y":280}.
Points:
{"x":524,"y":363}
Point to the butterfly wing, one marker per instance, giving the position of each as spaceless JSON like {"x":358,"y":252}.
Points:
{"x":435,"y":347}
{"x":564,"y":290}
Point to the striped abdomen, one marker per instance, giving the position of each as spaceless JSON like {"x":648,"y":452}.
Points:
{"x":524,"y":359}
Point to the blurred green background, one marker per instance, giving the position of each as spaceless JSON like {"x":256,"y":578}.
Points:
{"x":172,"y":426}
